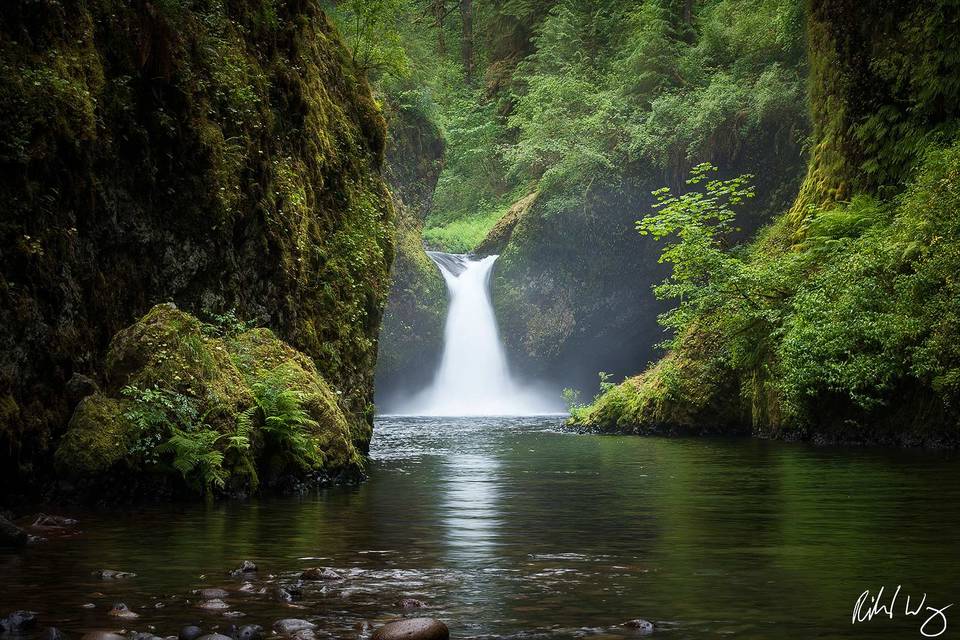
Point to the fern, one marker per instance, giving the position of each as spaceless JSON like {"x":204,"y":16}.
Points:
{"x":196,"y":457}
{"x":283,"y":419}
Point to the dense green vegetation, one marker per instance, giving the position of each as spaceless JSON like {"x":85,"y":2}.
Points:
{"x":221,"y":155}
{"x":840,"y":320}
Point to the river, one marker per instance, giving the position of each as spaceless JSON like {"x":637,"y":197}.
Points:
{"x":513,"y":528}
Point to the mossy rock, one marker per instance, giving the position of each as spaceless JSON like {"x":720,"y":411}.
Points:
{"x":98,"y":437}
{"x":259,"y":354}
{"x":173,"y":352}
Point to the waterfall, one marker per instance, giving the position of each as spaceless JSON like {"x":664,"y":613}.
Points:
{"x":473,"y":377}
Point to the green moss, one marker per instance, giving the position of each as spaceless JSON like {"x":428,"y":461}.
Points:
{"x":220,"y":155}
{"x":98,"y":437}
{"x":175,"y":373}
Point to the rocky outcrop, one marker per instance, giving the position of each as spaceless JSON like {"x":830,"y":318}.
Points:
{"x":224,"y":157}
{"x":219,"y":410}
{"x":412,"y":333}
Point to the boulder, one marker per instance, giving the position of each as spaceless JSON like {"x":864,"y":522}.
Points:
{"x":288,"y":626}
{"x":18,"y":621}
{"x":245,"y":567}
{"x":316,"y":573}
{"x":190,"y":632}
{"x":121,"y":610}
{"x":639,"y":625}
{"x":413,"y":629}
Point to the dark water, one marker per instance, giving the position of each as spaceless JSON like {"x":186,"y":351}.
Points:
{"x":509,"y":528}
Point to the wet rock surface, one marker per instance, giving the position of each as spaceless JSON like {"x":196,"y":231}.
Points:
{"x":639,"y":625}
{"x":413,"y":629}
{"x":316,"y":573}
{"x":113,"y":574}
{"x":292,"y":625}
{"x":18,"y":621}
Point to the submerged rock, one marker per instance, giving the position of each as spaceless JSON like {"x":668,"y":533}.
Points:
{"x":215,"y":636}
{"x":190,"y":632}
{"x":316,"y":573}
{"x":121,"y":610}
{"x":250,"y":632}
{"x":18,"y":621}
{"x":639,"y":625}
{"x":413,"y":629}
{"x":212,"y":593}
{"x":103,"y":635}
{"x":292,"y":625}
{"x":245,"y":567}
{"x":214,"y":604}
{"x":52,"y":633}
{"x":112,"y":574}
{"x":411,"y":603}
{"x":45,"y":521}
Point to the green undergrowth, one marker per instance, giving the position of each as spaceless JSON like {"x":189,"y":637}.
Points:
{"x":852,"y":332}
{"x":221,"y":406}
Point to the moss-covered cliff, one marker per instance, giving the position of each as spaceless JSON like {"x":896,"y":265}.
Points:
{"x":412,"y":333}
{"x":845,"y":318}
{"x":223,"y":155}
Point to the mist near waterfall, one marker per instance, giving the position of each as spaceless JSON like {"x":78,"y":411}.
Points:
{"x":473,"y":378}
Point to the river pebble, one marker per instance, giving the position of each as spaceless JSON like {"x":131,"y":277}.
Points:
{"x":413,"y":629}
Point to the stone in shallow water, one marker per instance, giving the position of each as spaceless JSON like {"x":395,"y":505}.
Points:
{"x":215,"y":636}
{"x":113,"y":574}
{"x":250,"y":632}
{"x":639,"y":625}
{"x":121,"y":610}
{"x":103,"y":635}
{"x":411,"y":603}
{"x":214,"y":604}
{"x":245,"y":567}
{"x":316,"y":573}
{"x":190,"y":632}
{"x":52,"y":633}
{"x":292,"y":625}
{"x":18,"y":621}
{"x":212,"y":593}
{"x":413,"y":629}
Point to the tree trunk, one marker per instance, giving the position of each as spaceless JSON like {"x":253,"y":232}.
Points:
{"x":466,"y":41}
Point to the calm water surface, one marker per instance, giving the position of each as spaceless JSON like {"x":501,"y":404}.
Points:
{"x":507,"y":527}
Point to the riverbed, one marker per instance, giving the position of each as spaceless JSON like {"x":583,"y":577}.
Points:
{"x":511,"y":527}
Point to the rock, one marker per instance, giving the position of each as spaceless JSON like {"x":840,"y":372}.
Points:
{"x":212,"y":593}
{"x":18,"y":621}
{"x":411,"y":603}
{"x":79,"y":387}
{"x":413,"y":629}
{"x":250,"y":632}
{"x":215,"y":636}
{"x":233,"y":614}
{"x":113,"y":574}
{"x":44,"y":521}
{"x":639,"y":625}
{"x":145,"y":636}
{"x":89,"y":605}
{"x":282,"y":595}
{"x":304,"y":634}
{"x":11,"y":536}
{"x":103,"y":635}
{"x":316,"y":573}
{"x":214,"y":604}
{"x":247,"y":587}
{"x":245,"y":567}
{"x":190,"y":632}
{"x":292,"y":625}
{"x":121,"y":610}
{"x":52,"y":633}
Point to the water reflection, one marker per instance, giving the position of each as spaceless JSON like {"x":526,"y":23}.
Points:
{"x":507,"y":528}
{"x":470,"y":511}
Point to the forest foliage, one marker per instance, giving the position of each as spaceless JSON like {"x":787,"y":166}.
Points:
{"x":570,"y":97}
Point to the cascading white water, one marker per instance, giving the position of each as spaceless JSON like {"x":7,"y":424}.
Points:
{"x":473,"y":378}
